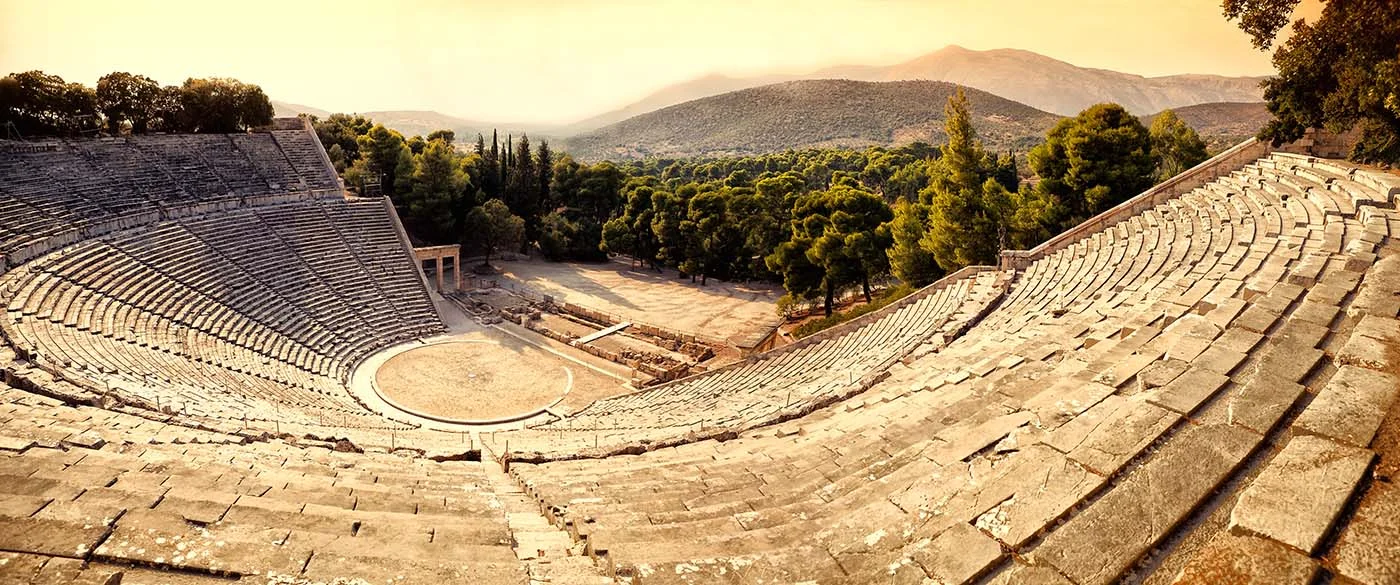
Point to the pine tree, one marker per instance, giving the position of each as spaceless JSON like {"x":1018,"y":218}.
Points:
{"x":544,"y":162}
{"x":909,"y":261}
{"x":962,"y":229}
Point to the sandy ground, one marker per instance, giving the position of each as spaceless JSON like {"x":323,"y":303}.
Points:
{"x":526,"y":371}
{"x":474,"y":379}
{"x":718,"y":310}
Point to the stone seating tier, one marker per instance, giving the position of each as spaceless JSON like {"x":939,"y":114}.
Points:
{"x":1202,"y":391}
{"x":254,"y":313}
{"x":65,"y":185}
{"x":1203,"y":381}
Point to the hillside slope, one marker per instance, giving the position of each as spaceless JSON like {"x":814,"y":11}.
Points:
{"x":810,"y":113}
{"x":1030,"y":78}
{"x":421,"y":122}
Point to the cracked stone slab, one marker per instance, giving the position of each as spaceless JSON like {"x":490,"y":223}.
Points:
{"x":1188,"y":390}
{"x":1102,"y":542}
{"x":1019,"y":573}
{"x":1065,"y":400}
{"x":1365,"y":551}
{"x":1032,"y":492}
{"x":960,"y":554}
{"x":963,"y":442}
{"x":1219,"y":360}
{"x":22,"y":506}
{"x":1259,"y":403}
{"x":1290,"y":361}
{"x":1299,"y":495}
{"x":42,"y":536}
{"x":1350,"y":408}
{"x":1126,"y":369}
{"x":1121,"y":436}
{"x":333,"y":568}
{"x":1246,"y":560}
{"x":1380,"y":328}
{"x":1161,"y":373}
{"x":1367,"y":352}
{"x":164,"y":539}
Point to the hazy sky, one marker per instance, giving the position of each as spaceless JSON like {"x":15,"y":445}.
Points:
{"x":563,"y":60}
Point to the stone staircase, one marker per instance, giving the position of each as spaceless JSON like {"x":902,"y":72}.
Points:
{"x":548,"y":553}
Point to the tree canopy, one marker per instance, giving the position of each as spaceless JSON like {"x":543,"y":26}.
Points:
{"x":1340,"y":72}
{"x":1090,"y":163}
{"x":1175,"y":145}
{"x":822,"y":222}
{"x":39,"y":104}
{"x":493,"y":227}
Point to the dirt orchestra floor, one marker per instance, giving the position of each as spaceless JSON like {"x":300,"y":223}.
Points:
{"x":474,"y":380}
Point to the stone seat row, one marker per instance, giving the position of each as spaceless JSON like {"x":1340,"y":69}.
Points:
{"x":1064,"y":438}
{"x":152,"y":508}
{"x":792,"y":380}
{"x":76,"y":181}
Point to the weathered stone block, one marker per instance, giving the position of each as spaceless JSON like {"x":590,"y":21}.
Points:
{"x":1102,"y":542}
{"x":1297,"y":497}
{"x":1366,"y":550}
{"x":959,"y":555}
{"x":1188,"y":390}
{"x":1247,"y":560}
{"x":1349,"y":409}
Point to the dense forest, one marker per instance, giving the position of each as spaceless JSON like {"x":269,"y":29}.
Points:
{"x":820,"y":221}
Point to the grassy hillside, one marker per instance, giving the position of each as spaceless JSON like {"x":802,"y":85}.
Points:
{"x":815,"y":113}
{"x":1223,"y":124}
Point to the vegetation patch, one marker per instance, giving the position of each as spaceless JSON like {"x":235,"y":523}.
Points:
{"x":885,"y":298}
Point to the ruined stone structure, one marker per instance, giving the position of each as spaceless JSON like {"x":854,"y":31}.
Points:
{"x":439,"y":255}
{"x":1196,"y":387}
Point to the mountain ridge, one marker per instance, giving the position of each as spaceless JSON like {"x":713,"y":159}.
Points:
{"x":1016,"y":74}
{"x":810,"y":113}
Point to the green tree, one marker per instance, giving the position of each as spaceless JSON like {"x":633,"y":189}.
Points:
{"x":842,"y":234}
{"x":1091,"y":163}
{"x":386,"y":158}
{"x":630,"y":232}
{"x":1341,"y":72}
{"x":1175,"y":145}
{"x":709,"y":234}
{"x":39,"y":104}
{"x":127,"y":101}
{"x":557,"y":236}
{"x":337,"y":156}
{"x":963,"y":226}
{"x":521,"y":194}
{"x":910,"y":262}
{"x":223,"y":105}
{"x":494,"y":227}
{"x":447,"y":136}
{"x":344,"y":131}
{"x":438,"y":188}
{"x":668,"y":211}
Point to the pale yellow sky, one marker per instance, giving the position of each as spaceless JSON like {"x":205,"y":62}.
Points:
{"x":560,"y":60}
